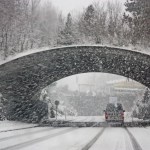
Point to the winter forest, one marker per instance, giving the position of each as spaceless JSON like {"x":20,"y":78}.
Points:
{"x":31,"y":24}
{"x":74,"y":74}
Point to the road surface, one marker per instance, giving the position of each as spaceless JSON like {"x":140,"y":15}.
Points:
{"x":31,"y":137}
{"x":92,"y":138}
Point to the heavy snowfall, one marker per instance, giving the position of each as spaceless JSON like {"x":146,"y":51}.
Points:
{"x":74,"y":78}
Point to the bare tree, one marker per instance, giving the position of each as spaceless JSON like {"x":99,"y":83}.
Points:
{"x":100,"y":26}
{"x":114,"y":25}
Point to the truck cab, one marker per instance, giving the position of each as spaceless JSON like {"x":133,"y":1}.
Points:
{"x":114,"y":113}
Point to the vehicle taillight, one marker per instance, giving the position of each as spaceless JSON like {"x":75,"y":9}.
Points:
{"x":122,"y":115}
{"x":106,"y":115}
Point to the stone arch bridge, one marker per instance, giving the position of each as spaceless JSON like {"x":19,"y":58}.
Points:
{"x":22,"y":77}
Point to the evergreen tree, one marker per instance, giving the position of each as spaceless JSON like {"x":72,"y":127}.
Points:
{"x":146,"y":96}
{"x":88,"y":22}
{"x":144,"y":105}
{"x":139,"y":20}
{"x":52,"y":113}
{"x":66,"y":36}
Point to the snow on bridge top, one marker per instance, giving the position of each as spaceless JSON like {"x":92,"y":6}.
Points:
{"x":37,"y":50}
{"x":21,"y":79}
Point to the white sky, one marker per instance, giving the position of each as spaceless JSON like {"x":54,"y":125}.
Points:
{"x":67,"y":6}
{"x":94,"y":79}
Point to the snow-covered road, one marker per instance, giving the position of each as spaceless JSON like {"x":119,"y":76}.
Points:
{"x":113,"y":139}
{"x":92,"y":138}
{"x":88,"y":119}
{"x":32,"y":137}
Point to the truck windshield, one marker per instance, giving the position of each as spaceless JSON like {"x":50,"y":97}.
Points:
{"x":112,"y":107}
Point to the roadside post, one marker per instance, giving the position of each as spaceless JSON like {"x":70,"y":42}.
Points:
{"x":56,"y":103}
{"x":132,"y":117}
{"x":65,"y":113}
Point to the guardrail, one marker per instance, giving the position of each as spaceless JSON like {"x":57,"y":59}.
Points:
{"x":94,"y":124}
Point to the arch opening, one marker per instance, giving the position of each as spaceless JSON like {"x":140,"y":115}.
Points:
{"x":88,"y":94}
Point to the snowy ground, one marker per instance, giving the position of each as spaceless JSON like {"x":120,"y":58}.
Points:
{"x":113,"y":139}
{"x":83,"y":118}
{"x":11,"y":125}
{"x":92,"y":138}
{"x":127,"y":118}
{"x":49,"y":138}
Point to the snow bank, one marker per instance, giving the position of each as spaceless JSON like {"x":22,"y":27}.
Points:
{"x":12,"y":125}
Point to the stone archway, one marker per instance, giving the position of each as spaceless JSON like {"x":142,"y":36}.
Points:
{"x":23,"y":77}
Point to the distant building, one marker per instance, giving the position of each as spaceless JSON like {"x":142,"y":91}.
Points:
{"x":124,"y":86}
{"x":126,"y":90}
